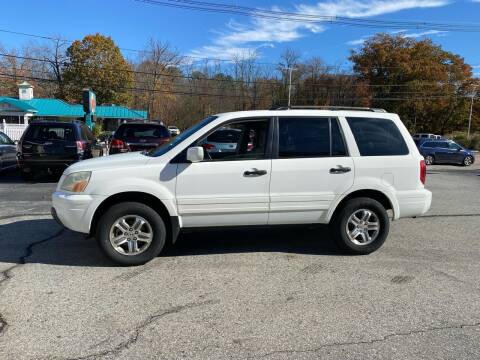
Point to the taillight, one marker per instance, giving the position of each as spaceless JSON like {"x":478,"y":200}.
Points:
{"x":81,"y":146}
{"x":208,"y":146}
{"x":423,"y":171}
{"x":118,"y":144}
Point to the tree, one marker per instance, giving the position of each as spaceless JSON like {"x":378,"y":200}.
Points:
{"x":157,"y":74}
{"x":96,"y":62}
{"x":419,"y":80}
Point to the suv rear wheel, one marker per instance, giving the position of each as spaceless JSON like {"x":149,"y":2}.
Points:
{"x":361,"y":226}
{"x":131,"y":233}
{"x":429,"y":160}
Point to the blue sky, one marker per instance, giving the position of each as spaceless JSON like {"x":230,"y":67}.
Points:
{"x":131,"y":24}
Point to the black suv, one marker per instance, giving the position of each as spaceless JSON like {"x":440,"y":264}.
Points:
{"x":52,"y":146}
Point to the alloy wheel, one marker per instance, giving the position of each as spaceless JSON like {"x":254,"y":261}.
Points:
{"x":131,"y":235}
{"x":363,"y":227}
{"x":428,"y":160}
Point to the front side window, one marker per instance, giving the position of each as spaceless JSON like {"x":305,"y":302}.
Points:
{"x":309,"y":138}
{"x":377,"y":137}
{"x":242,"y":140}
{"x":163,"y":149}
{"x":454,"y":146}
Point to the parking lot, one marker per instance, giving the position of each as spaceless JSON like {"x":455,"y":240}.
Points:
{"x":279,"y":294}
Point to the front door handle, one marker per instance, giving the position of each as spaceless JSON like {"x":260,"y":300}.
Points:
{"x":340,"y":170}
{"x":255,"y":172}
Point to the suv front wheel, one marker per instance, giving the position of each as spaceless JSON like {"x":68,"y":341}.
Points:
{"x":361,"y":226}
{"x":131,"y":233}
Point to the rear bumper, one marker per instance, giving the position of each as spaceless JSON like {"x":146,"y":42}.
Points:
{"x":414,"y":203}
{"x":44,"y":164}
{"x":75,"y":211}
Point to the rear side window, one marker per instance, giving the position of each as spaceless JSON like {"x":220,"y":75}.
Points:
{"x":47,"y":132}
{"x":377,"y":137}
{"x":86,"y":133}
{"x":141,"y":131}
{"x":310,"y":137}
{"x":429,"y":145}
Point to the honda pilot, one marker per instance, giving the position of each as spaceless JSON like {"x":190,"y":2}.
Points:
{"x":354,"y":169}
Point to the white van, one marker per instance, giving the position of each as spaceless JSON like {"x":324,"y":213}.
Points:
{"x":350,"y":168}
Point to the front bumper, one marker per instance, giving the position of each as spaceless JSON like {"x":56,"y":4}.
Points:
{"x":75,"y":211}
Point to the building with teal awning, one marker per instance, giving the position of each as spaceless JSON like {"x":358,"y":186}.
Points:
{"x":27,"y":108}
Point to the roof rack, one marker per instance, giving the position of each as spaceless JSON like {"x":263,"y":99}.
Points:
{"x":333,"y":108}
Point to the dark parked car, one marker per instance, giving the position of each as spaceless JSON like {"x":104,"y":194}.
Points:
{"x":53,"y":145}
{"x":138,"y":137}
{"x":8,"y":153}
{"x":445,"y":152}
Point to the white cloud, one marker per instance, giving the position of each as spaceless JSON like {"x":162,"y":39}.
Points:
{"x":243,"y":39}
{"x":403,"y":33}
{"x":366,"y":8}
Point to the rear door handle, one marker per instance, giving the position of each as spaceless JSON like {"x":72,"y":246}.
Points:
{"x":340,"y":170}
{"x":254,"y":172}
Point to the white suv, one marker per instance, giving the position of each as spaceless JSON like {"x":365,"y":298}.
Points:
{"x":343,"y":167}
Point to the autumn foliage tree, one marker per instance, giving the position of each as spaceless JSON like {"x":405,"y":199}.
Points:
{"x":419,"y":80}
{"x":96,"y":62}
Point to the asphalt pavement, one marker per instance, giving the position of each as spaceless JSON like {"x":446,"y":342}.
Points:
{"x":254,"y":294}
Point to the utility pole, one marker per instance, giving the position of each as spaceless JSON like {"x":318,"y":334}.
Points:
{"x":290,"y":69}
{"x":471,"y":111}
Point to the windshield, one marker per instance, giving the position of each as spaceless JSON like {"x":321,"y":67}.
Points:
{"x":159,"y":151}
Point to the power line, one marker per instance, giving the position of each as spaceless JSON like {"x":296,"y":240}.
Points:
{"x":310,"y":18}
{"x":432,"y":97}
{"x":198,"y":58}
{"x":272,"y":82}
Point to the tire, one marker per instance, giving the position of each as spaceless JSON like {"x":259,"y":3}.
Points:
{"x":126,"y":253}
{"x":27,"y":176}
{"x":429,"y":160}
{"x":467,"y":161}
{"x":342,"y":222}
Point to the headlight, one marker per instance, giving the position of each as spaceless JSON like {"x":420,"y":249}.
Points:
{"x":76,"y":182}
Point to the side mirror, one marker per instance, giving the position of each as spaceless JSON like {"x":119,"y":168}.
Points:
{"x":195,"y":154}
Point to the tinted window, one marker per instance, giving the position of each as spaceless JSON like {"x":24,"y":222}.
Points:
{"x":236,"y":141}
{"x":225,"y":136}
{"x":443,"y":145}
{"x":50,"y":132}
{"x":141,"y":131}
{"x":377,"y":137}
{"x":5,"y":140}
{"x":310,"y":137}
{"x":338,"y":144}
{"x":429,"y":145}
{"x":454,"y":146}
{"x":179,"y":139}
{"x":86,"y":133}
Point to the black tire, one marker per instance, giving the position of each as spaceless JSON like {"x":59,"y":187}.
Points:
{"x":27,"y":176}
{"x":429,"y":160}
{"x":120,"y":210}
{"x":339,"y":225}
{"x":467,"y":161}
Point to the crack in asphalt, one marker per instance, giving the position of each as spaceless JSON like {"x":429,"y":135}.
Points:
{"x":22,"y":260}
{"x":447,"y":215}
{"x":22,"y":215}
{"x":133,"y":338}
{"x":373,"y":341}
